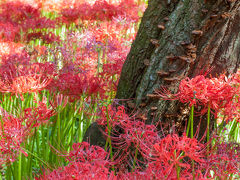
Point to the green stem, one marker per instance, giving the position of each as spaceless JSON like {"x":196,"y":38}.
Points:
{"x":190,"y":122}
{"x":192,"y":111}
{"x":37,"y":141}
{"x":58,"y":130}
{"x":43,"y":162}
{"x":9,"y":172}
{"x":72,"y":132}
{"x":30,"y":156}
{"x":43,"y":142}
{"x":20,"y":167}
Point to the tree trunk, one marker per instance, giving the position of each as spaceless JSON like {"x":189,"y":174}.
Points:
{"x":182,"y":38}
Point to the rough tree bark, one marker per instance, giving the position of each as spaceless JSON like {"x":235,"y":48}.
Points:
{"x":179,"y":38}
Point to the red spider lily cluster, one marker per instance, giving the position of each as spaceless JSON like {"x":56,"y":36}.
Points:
{"x":19,"y":76}
{"x":77,"y":70}
{"x":96,"y":48}
{"x":15,"y":130}
{"x":168,"y":157}
{"x":38,"y":115}
{"x":141,"y":153}
{"x":220,"y":94}
{"x":115,"y":117}
{"x":101,"y":10}
{"x":103,"y":41}
{"x":85,"y":162}
{"x":18,"y":18}
{"x":176,"y":152}
{"x":81,"y":63}
{"x":74,"y":82}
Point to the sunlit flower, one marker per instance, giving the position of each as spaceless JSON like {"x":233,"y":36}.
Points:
{"x":200,"y":91}
{"x":24,"y":84}
{"x":19,"y":80}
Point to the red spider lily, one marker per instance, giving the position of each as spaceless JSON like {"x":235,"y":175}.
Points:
{"x":24,"y":84}
{"x":83,"y":152}
{"x":158,"y":171}
{"x":111,"y":70}
{"x":101,"y":11}
{"x":21,"y":77}
{"x":19,"y":18}
{"x":112,"y":34}
{"x":46,"y":69}
{"x":80,"y":171}
{"x":236,"y":79}
{"x":59,"y":102}
{"x":215,"y":92}
{"x":58,"y":5}
{"x":8,"y":32}
{"x":72,"y":14}
{"x":107,"y":37}
{"x":128,"y":9}
{"x":138,"y":175}
{"x":127,"y":135}
{"x":13,"y":133}
{"x":40,"y":23}
{"x":117,"y":57}
{"x":109,"y":40}
{"x":112,"y":116}
{"x":137,"y":135}
{"x":41,"y":50}
{"x":95,"y":86}
{"x":17,"y":65}
{"x":172,"y":152}
{"x":70,"y":84}
{"x":232,"y":110}
{"x":36,"y":116}
{"x":12,"y":61}
{"x":86,"y":162}
{"x":75,"y":85}
{"x":16,"y":12}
